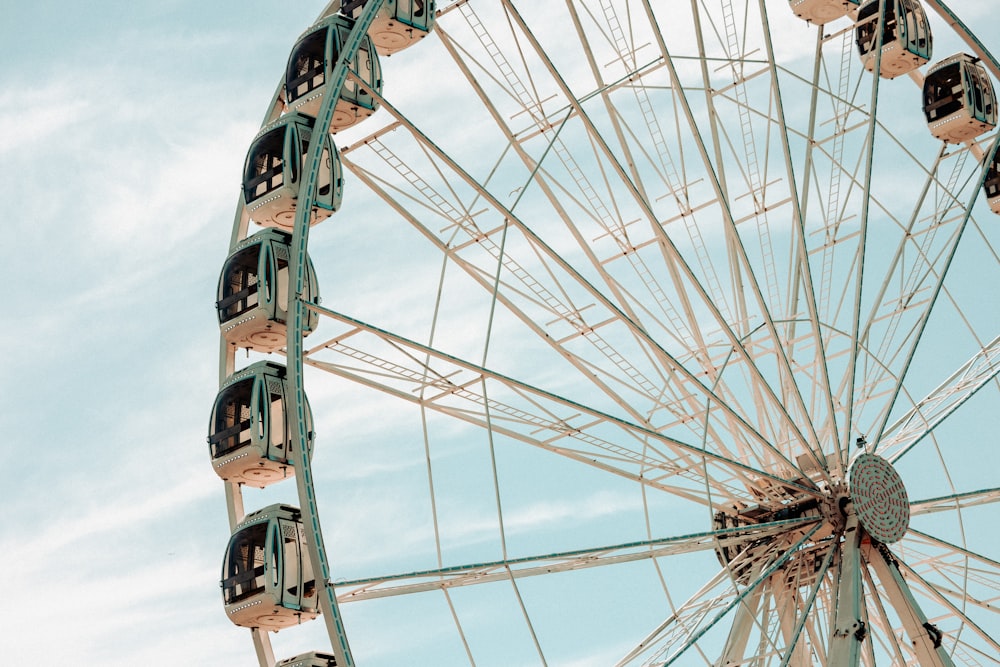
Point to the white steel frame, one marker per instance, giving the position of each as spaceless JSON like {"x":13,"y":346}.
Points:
{"x":736,"y":384}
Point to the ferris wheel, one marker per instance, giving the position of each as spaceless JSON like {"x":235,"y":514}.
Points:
{"x":651,"y":333}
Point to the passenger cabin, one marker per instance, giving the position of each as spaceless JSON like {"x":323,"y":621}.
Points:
{"x":822,"y":11}
{"x":991,"y":187}
{"x":400,"y":24}
{"x":253,"y":292}
{"x":267,"y":580}
{"x":312,"y":659}
{"x":959,"y":101}
{"x":906,"y":37}
{"x":311,"y":63}
{"x":249,"y":433}
{"x":275,"y":172}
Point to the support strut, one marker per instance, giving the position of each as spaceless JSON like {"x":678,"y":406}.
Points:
{"x":848,"y":628}
{"x":925,"y":638}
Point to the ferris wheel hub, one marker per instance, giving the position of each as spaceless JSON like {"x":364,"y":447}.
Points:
{"x":879,"y":498}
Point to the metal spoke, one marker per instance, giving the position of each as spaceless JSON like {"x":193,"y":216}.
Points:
{"x":446,"y":578}
{"x":793,"y":649}
{"x":608,"y":317}
{"x":547,"y":420}
{"x":936,"y":284}
{"x":956,"y":501}
{"x":764,"y":565}
{"x":954,"y":548}
{"x":934,"y":408}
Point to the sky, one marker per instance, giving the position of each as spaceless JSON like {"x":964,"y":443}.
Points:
{"x":123,"y":129}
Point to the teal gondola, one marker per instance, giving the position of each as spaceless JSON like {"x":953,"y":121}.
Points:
{"x":274,"y":172}
{"x":991,"y":186}
{"x":267,"y":582}
{"x":906,"y":37}
{"x":822,"y":11}
{"x":249,"y":433}
{"x":311,"y":659}
{"x":253,"y":292}
{"x":400,"y":24}
{"x":959,"y":101}
{"x":311,"y":64}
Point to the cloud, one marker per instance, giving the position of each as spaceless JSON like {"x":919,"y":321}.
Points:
{"x":374,"y":528}
{"x":122,"y":148}
{"x":96,"y":519}
{"x":40,"y":116}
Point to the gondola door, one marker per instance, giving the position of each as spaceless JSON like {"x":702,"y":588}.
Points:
{"x":275,"y":565}
{"x":279,"y":435}
{"x":291,"y":588}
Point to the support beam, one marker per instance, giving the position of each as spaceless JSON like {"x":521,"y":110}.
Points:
{"x":925,"y":638}
{"x":848,"y":628}
{"x":262,"y":647}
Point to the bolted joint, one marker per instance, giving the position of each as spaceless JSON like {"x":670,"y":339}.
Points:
{"x":857,"y":629}
{"x":934,"y":633}
{"x":861,"y":632}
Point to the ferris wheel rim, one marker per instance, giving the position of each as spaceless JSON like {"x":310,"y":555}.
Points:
{"x":296,"y":331}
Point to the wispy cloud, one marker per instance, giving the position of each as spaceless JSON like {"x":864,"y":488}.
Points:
{"x":121,"y":170}
{"x":34,"y":117}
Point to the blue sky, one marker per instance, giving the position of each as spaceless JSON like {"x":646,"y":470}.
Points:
{"x":125,"y":126}
{"x":123,"y":129}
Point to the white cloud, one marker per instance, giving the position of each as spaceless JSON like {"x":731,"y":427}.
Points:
{"x":101,"y":518}
{"x":38,"y":116}
{"x":121,"y":172}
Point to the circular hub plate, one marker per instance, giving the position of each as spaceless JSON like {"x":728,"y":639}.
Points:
{"x":879,"y":498}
